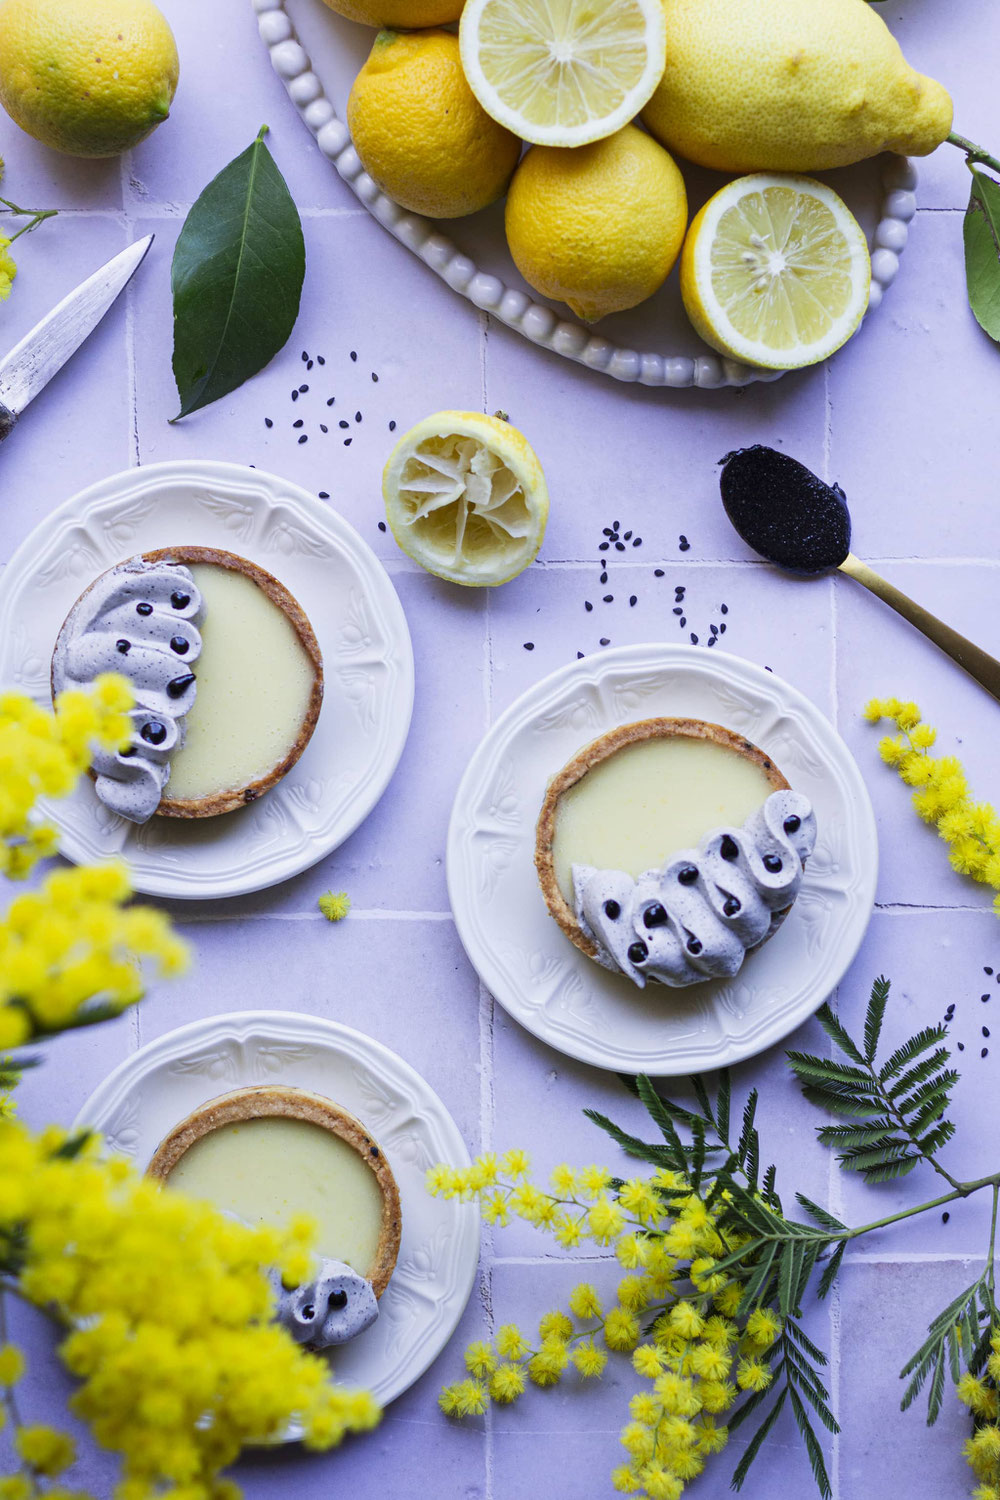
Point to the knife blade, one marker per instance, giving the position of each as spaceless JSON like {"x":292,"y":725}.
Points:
{"x":31,"y":364}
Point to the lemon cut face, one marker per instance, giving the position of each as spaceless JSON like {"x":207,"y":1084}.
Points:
{"x":776,"y":271}
{"x":466,"y":498}
{"x":565,"y":72}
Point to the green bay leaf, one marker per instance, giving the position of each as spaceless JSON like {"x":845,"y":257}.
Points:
{"x":236,"y":277}
{"x":982,"y":252}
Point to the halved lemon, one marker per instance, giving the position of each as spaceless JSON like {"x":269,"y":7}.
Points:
{"x":466,"y":498}
{"x":563,"y":72}
{"x":775,"y":271}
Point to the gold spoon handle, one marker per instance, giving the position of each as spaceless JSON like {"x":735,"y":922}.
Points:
{"x":978,"y":663}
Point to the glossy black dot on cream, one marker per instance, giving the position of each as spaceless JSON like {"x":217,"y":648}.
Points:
{"x":792,"y":824}
{"x":654,"y":915}
{"x":144,"y":610}
{"x":153,"y":732}
{"x":180,"y":645}
{"x":637,"y":951}
{"x":612,"y":911}
{"x":687,"y":874}
{"x":783,"y":511}
{"x":772,"y":863}
{"x":178,"y":686}
{"x":729,"y":849}
{"x":123,"y":646}
{"x":179,"y":600}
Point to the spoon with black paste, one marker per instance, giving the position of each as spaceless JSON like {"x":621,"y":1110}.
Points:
{"x":793,"y":519}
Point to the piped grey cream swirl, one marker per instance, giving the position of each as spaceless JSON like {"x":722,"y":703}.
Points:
{"x":140,"y":619}
{"x":698,"y":916}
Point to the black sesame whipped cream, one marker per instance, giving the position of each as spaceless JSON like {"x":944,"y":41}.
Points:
{"x":700,"y":915}
{"x":335,"y":1306}
{"x":140,"y":619}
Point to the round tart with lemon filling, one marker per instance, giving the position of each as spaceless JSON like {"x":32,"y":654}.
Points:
{"x":669,"y":849}
{"x":267,"y":1154}
{"x":227,"y":675}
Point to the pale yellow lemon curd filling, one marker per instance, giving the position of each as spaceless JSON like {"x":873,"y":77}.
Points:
{"x":650,"y":800}
{"x":254,"y":684}
{"x":267,"y":1170}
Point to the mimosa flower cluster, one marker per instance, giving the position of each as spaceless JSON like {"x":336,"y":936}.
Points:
{"x":169,"y":1308}
{"x":673,"y":1315}
{"x":70,"y":952}
{"x":980,"y":1394}
{"x":941,"y":793}
{"x":8,"y":270}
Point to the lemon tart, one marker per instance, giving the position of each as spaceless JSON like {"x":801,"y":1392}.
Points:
{"x":227,"y":675}
{"x":668,"y":849}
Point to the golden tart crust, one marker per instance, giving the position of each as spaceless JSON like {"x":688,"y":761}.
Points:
{"x":592,"y":755}
{"x":270,"y":1100}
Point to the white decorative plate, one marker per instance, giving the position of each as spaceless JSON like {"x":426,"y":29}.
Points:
{"x":553,"y":989}
{"x":317,"y":53}
{"x":357,"y":617}
{"x":157,"y":1086}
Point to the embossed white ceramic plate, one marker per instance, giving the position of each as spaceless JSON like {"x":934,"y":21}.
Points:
{"x":552,"y":988}
{"x":157,"y":1086}
{"x":357,"y":617}
{"x":317,"y":54}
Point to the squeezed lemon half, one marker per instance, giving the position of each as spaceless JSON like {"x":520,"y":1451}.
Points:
{"x":775,"y":271}
{"x":466,"y":498}
{"x":565,"y":72}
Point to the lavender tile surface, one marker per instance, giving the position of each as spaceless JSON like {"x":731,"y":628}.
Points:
{"x":903,"y":417}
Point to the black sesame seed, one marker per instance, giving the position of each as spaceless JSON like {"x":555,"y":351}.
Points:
{"x":657,"y":572}
{"x":637,"y":542}
{"x":324,"y":495}
{"x":153,"y":732}
{"x":694,"y":639}
{"x":633,"y":600}
{"x":986,"y":1031}
{"x":529,"y":645}
{"x":792,"y":824}
{"x":637,"y":951}
{"x":331,"y":400}
{"x":687,"y":874}
{"x":728,"y":848}
{"x":354,"y":356}
{"x":731,"y":906}
{"x":711,"y":640}
{"x":381,"y":526}
{"x":178,"y":686}
{"x":612,"y":911}
{"x":304,"y":438}
{"x":348,"y":442}
{"x":303,"y":390}
{"x":655,"y":915}
{"x":960,"y":1046}
{"x":619,"y":546}
{"x":724,"y":609}
{"x":945,"y":1217}
{"x":323,"y":427}
{"x":985,"y":1052}
{"x":305,"y":355}
{"x":268,"y":422}
{"x":714,"y":629}
{"x":357,"y":416}
{"x":678,"y":610}
{"x":682,"y":622}
{"x":374,"y":378}
{"x":309,"y":364}
{"x":123,"y":646}
{"x":144,"y":610}
{"x":299,"y":422}
{"x":603,"y":547}
{"x":604,"y":577}
{"x":609,"y":598}
{"x":344,"y":424}
{"x":392,"y":427}
{"x":683,"y":544}
{"x":295,"y":395}
{"x":628,"y":536}
{"x":607,"y":531}
{"x":984,"y":998}
{"x":320,"y":360}
{"x":987,"y":970}
{"x":180,"y":645}
{"x":616,"y":525}
{"x":722,"y":628}
{"x":604,"y":641}
{"x":772,"y":863}
{"x":579,"y":656}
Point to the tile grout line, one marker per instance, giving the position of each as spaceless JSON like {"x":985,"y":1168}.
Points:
{"x":487,"y":1092}
{"x":124,"y":178}
{"x":834,"y":1183}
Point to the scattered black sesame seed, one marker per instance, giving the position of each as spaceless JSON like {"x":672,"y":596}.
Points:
{"x":694,"y":638}
{"x":268,"y":422}
{"x":392,"y":427}
{"x":309,"y":364}
{"x":637,"y":542}
{"x":579,"y":656}
{"x":633,"y":600}
{"x":985,"y":1052}
{"x":714,"y":629}
{"x":344,"y":424}
{"x":587,"y":605}
{"x":657,"y":572}
{"x":987,"y":970}
{"x":324,"y":495}
{"x":303,"y":390}
{"x":331,"y":400}
{"x":986,"y":1031}
{"x":304,"y":438}
{"x":682,"y":622}
{"x":960,"y":1046}
{"x":381,"y":526}
{"x":299,"y":422}
{"x":684,"y":544}
{"x":711,"y":640}
{"x":604,"y":577}
{"x":724,"y":609}
{"x":374,"y":378}
{"x":320,"y":360}
{"x":348,"y":442}
{"x":619,"y":546}
{"x":357,"y":416}
{"x":529,"y":645}
{"x":354,"y":356}
{"x":604,"y":641}
{"x":722,"y":628}
{"x":678,"y":610}
{"x":628,"y":536}
{"x":305,"y":355}
{"x":945,"y":1217}
{"x":295,"y":395}
{"x":603,"y":547}
{"x":616,"y":525}
{"x":323,"y":427}
{"x":984,"y":998}
{"x":609,"y":598}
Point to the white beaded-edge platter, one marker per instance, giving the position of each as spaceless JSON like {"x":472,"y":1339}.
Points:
{"x":354,"y":610}
{"x":563,"y":997}
{"x":164,"y":1081}
{"x":317,"y":53}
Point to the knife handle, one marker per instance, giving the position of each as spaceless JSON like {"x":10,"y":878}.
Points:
{"x":7,"y":420}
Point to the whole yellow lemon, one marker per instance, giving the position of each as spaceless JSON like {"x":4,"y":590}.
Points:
{"x":405,"y":13}
{"x":790,"y":86}
{"x":600,"y":226}
{"x":420,"y":131}
{"x":88,"y":77}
